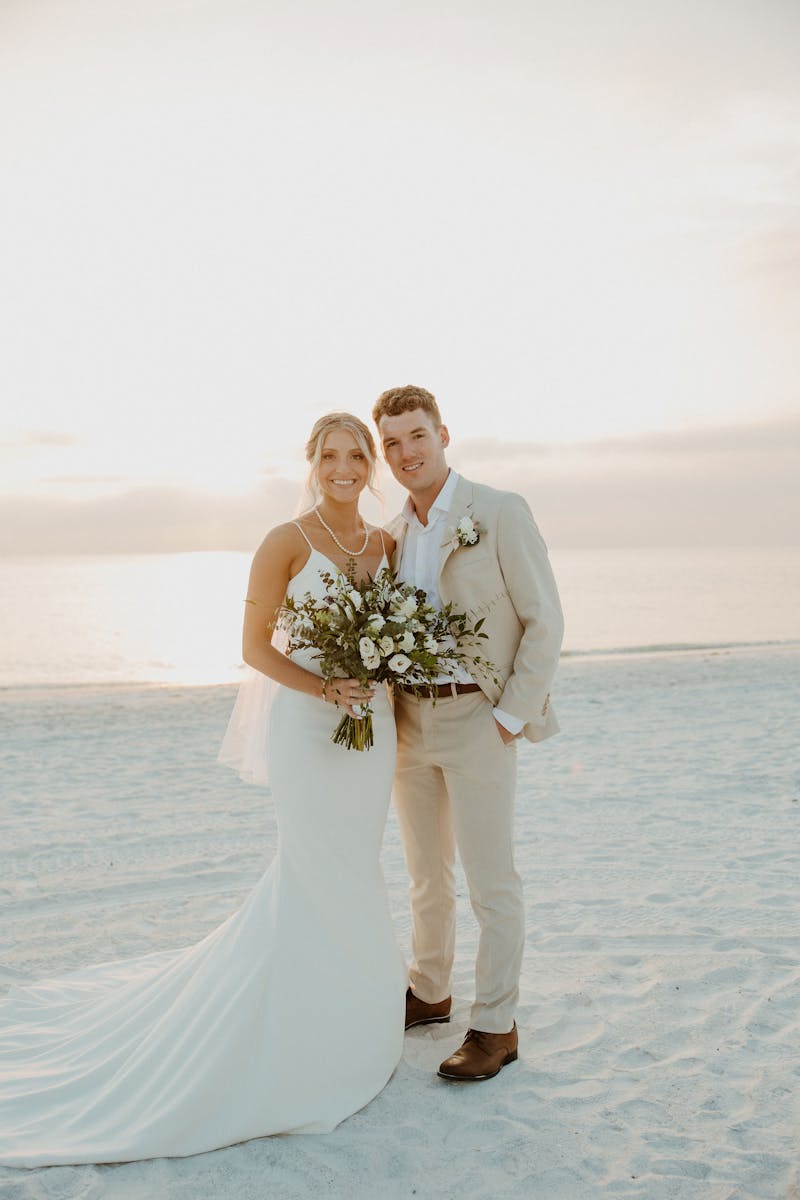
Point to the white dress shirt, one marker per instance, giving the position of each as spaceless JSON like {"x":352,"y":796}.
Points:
{"x":419,"y":564}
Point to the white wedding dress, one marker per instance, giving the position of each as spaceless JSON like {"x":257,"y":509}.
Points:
{"x":285,"y":1019}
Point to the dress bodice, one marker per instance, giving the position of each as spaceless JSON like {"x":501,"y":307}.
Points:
{"x":309,"y":578}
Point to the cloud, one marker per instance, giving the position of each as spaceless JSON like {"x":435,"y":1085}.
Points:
{"x":769,"y":436}
{"x":32,"y":438}
{"x":77,"y":481}
{"x":713,"y":487}
{"x":773,"y":254}
{"x":144,"y":520}
{"x":50,"y":437}
{"x":774,"y":435}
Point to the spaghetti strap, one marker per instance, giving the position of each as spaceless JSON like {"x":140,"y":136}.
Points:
{"x":383,"y":543}
{"x":305,"y":535}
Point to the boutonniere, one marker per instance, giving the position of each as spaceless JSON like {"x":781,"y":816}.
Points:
{"x":466,"y":533}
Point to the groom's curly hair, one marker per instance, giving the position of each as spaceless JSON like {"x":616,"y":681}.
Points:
{"x":406,"y":399}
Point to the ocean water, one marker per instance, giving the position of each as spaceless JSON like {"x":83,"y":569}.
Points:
{"x":176,"y":618}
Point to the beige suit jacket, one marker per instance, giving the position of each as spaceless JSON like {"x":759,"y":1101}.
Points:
{"x":507,"y":579}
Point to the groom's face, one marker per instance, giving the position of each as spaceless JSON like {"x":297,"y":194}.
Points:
{"x":414,"y":448}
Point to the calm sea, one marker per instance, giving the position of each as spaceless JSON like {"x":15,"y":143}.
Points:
{"x":176,"y":618}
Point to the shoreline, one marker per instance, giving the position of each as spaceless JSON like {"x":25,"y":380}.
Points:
{"x":569,"y":658}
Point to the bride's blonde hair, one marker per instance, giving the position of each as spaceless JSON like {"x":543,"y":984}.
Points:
{"x":324,"y":426}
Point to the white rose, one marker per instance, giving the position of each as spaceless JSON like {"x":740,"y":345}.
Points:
{"x":406,"y":642}
{"x":431,"y":643}
{"x":376,"y":622}
{"x":368,"y":652}
{"x":386,"y":645}
{"x":466,"y":528}
{"x":356,"y":599}
{"x":408,"y":607}
{"x":399,"y":664}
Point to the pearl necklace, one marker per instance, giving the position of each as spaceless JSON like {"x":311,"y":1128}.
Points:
{"x":352,"y":553}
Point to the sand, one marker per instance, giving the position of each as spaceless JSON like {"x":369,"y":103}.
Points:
{"x":657,"y":837}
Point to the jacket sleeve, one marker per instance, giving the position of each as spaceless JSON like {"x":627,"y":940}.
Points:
{"x":526,"y":569}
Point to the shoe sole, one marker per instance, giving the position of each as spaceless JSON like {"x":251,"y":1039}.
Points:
{"x":509,"y":1058}
{"x":428,"y":1021}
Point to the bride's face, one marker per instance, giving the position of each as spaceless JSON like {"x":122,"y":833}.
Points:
{"x":343,"y":466}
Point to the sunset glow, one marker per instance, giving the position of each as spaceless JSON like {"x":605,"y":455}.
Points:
{"x":220,"y":221}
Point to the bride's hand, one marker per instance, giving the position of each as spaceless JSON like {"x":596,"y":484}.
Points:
{"x":348,"y":693}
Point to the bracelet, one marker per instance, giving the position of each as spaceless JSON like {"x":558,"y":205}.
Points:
{"x":324,"y":689}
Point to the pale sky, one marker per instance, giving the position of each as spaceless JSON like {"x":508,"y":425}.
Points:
{"x":577,"y":223}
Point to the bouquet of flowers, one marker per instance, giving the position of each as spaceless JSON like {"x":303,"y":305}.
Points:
{"x":380,"y":630}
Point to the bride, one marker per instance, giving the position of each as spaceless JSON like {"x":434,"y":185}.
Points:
{"x":289,"y":1016}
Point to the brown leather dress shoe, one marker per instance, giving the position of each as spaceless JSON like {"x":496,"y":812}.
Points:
{"x":420,"y":1013}
{"x":481,"y":1056}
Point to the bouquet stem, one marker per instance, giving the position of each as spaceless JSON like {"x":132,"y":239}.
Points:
{"x":354,"y":733}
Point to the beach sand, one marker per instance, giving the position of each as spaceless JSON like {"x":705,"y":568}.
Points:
{"x":659,"y":1021}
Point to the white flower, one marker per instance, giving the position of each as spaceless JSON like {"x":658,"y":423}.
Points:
{"x":355,"y":599}
{"x":399,"y":664}
{"x":335,"y":610}
{"x":408,"y":607}
{"x":386,"y":645}
{"x":466,"y":533}
{"x":431,"y":643}
{"x":376,"y":622}
{"x":369,"y":653}
{"x":406,"y":642}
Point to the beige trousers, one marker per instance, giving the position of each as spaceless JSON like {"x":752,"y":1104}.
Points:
{"x":455,"y":786}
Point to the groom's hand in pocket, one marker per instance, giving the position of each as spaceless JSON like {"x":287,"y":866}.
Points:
{"x":505,"y":734}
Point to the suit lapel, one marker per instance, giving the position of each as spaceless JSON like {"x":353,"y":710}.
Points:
{"x":400,"y":538}
{"x":398,"y":528}
{"x":460,"y":507}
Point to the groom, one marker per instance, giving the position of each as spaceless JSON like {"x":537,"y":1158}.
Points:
{"x":456,"y":759}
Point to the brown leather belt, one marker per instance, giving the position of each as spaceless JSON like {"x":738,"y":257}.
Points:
{"x":441,"y":690}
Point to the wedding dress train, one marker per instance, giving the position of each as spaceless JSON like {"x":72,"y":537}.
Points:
{"x":286,"y":1018}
